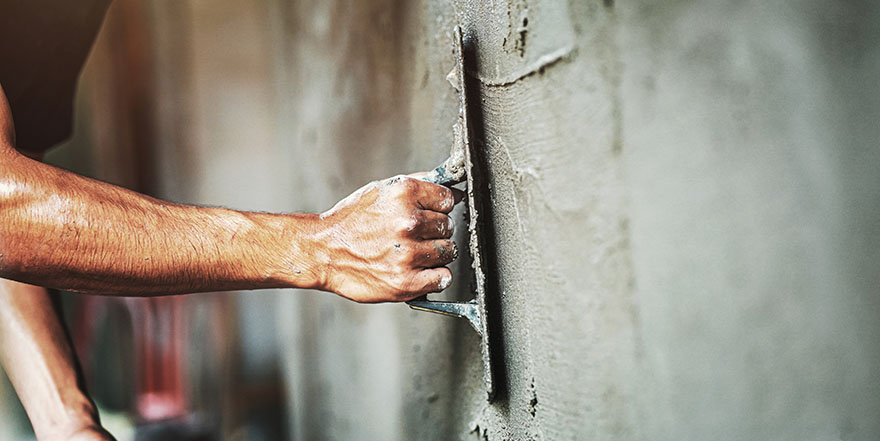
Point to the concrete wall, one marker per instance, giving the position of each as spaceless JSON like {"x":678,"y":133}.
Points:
{"x":685,"y":203}
{"x":751,"y":150}
{"x":685,"y":208}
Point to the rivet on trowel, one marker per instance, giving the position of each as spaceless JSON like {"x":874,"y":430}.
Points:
{"x":459,"y":167}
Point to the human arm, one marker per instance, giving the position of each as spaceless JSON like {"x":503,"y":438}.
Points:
{"x":37,"y":357}
{"x":386,"y":242}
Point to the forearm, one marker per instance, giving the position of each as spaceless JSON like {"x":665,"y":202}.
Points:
{"x":58,"y":229}
{"x":40,"y":363}
{"x":388,"y":241}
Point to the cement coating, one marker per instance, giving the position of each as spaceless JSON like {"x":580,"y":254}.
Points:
{"x":684,"y":210}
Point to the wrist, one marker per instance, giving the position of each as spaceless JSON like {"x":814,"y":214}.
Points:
{"x":291,"y":256}
{"x":80,"y":421}
{"x":84,"y":432}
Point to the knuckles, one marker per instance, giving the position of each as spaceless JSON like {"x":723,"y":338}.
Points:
{"x":403,"y":261}
{"x":406,"y":224}
{"x":402,"y":185}
{"x":409,"y":185}
{"x":409,"y":222}
{"x":447,"y":200}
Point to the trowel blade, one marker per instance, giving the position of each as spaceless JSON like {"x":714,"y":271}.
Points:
{"x":475,"y":198}
{"x":464,"y":165}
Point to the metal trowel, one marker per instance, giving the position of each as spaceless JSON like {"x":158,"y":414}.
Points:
{"x":459,"y":167}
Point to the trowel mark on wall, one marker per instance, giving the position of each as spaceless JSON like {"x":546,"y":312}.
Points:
{"x":539,"y":66}
{"x":518,"y":178}
{"x":525,"y":180}
{"x":517,"y":27}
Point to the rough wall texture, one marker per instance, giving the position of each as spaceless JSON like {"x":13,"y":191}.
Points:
{"x":685,"y":208}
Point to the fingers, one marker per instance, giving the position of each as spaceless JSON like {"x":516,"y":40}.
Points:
{"x":435,"y":197}
{"x":426,"y":272}
{"x":430,"y":280}
{"x":426,"y":195}
{"x":429,"y":196}
{"x":433,"y":225}
{"x":406,"y":214}
{"x":434,"y":253}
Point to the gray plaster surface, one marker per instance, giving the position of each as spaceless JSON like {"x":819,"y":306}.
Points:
{"x":685,"y":208}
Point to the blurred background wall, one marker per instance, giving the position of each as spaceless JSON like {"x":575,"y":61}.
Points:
{"x":685,"y":199}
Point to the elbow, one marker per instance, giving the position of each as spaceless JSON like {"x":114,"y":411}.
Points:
{"x":7,"y":156}
{"x":13,"y":187}
{"x":7,"y":127}
{"x":10,"y":183}
{"x":7,"y":143}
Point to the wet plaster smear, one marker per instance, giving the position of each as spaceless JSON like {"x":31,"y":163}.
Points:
{"x":684,"y":205}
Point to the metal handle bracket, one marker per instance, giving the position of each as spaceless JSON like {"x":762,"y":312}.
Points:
{"x":469,"y":310}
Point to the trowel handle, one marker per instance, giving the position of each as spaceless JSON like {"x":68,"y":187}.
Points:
{"x":441,"y":176}
{"x":467,"y":310}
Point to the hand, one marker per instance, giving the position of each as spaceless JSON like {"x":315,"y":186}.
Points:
{"x":389,"y":241}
